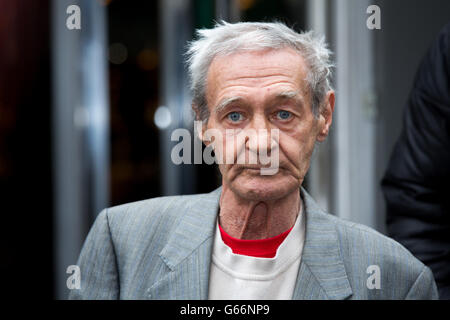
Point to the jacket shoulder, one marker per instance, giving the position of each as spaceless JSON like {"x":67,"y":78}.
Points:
{"x":143,"y":228}
{"x":148,"y":215}
{"x":368,"y":254}
{"x":371,"y":241}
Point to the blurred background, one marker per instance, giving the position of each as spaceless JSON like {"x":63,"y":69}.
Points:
{"x":86,"y":114}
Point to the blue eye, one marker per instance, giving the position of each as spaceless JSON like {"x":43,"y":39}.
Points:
{"x":234,"y":116}
{"x":283,"y":115}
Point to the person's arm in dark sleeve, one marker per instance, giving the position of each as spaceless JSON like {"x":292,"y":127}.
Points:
{"x":416,"y":185}
{"x":97,"y":262}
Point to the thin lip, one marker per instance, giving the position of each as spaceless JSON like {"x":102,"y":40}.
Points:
{"x":256,"y":167}
{"x":251,"y":167}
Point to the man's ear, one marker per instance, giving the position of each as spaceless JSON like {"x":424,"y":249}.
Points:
{"x":326,"y":116}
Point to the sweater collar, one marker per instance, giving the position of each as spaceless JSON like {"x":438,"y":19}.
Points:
{"x":244,"y":266}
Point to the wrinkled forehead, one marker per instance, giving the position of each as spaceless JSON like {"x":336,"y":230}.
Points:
{"x":262,"y":68}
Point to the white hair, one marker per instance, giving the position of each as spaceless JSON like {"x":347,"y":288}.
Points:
{"x":227,"y":38}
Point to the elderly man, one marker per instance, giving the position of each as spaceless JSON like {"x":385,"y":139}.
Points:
{"x":259,"y":236}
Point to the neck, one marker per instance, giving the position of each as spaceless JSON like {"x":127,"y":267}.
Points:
{"x":249,"y":219}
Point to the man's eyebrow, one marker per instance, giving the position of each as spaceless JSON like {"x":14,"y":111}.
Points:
{"x":225,"y":103}
{"x":282,"y":95}
{"x":289,"y":95}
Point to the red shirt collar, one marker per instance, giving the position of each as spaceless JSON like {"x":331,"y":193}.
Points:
{"x":261,"y":248}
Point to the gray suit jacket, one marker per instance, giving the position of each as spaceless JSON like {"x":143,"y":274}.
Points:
{"x":161,"y":249}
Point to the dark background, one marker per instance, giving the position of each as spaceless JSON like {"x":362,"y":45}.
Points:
{"x":26,"y":189}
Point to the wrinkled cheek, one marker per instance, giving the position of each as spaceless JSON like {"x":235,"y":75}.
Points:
{"x":222,"y":146}
{"x":306,"y":155}
{"x":228,"y":151}
{"x":298,"y":152}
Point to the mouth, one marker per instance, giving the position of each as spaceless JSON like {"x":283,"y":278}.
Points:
{"x":255,"y":168}
{"x":252,"y":167}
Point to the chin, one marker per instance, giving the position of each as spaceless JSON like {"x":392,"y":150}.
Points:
{"x":263,"y":188}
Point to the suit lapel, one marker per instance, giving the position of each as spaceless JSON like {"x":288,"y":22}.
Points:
{"x":322,"y":272}
{"x":187,"y":254}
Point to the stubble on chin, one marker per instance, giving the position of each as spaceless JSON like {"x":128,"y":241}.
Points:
{"x":251,"y":185}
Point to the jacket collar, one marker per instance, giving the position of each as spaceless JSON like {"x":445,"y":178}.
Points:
{"x":187,"y":254}
{"x":322,"y":272}
{"x":196,"y":226}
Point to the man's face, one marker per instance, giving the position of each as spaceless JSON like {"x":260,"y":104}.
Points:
{"x":250,"y":91}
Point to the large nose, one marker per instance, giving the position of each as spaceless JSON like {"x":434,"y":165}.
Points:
{"x":259,"y":135}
